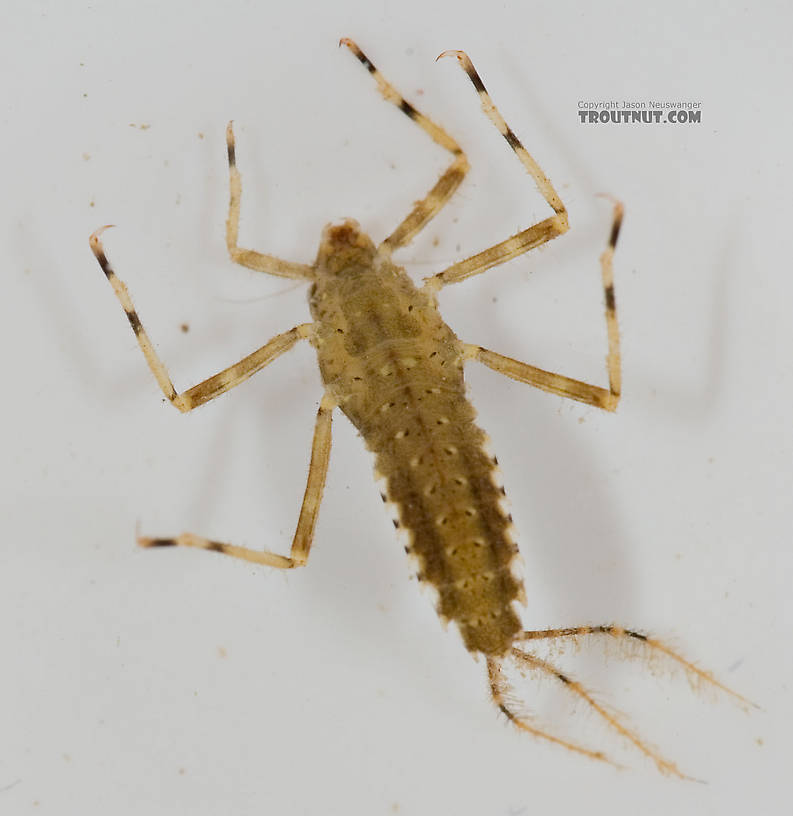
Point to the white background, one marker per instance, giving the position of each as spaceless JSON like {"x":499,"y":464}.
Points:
{"x":176,"y":681}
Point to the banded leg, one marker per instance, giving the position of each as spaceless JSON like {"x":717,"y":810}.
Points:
{"x":607,"y":399}
{"x":428,"y":207}
{"x":527,"y":239}
{"x":304,"y":534}
{"x":248,"y":257}
{"x":213,"y":386}
{"x":619,"y":633}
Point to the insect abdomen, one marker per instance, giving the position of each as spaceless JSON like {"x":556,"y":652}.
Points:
{"x":442,"y":482}
{"x":395,"y":369}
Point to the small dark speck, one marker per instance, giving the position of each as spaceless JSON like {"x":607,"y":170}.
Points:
{"x":185,"y":327}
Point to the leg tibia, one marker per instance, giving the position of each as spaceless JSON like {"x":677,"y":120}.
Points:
{"x":309,"y":511}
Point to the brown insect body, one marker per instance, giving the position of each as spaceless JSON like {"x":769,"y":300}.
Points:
{"x":396,"y":370}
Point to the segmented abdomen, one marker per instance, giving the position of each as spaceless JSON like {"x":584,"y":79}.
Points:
{"x":442,"y":481}
{"x":396,"y":370}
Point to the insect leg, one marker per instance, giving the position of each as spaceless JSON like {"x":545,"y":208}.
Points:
{"x":558,"y":383}
{"x":428,"y":207}
{"x":304,"y":533}
{"x":527,"y":239}
{"x":248,"y":257}
{"x":213,"y":386}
